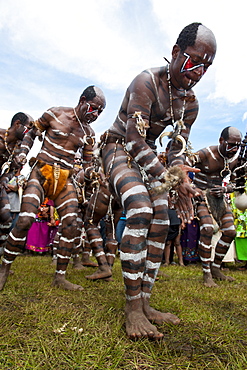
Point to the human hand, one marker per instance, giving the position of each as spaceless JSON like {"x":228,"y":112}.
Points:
{"x":183,"y":205}
{"x":217,"y":191}
{"x":185,"y":192}
{"x":11,"y":188}
{"x":52,"y":222}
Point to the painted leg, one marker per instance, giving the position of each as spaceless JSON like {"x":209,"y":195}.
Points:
{"x":103,"y":270}
{"x":77,"y":248}
{"x":67,"y":207}
{"x":128,"y":184}
{"x":155,"y":246}
{"x":15,"y":244}
{"x":96,"y":243}
{"x":86,"y":250}
{"x":4,"y":273}
{"x":5,"y":217}
{"x":204,"y":245}
{"x":55,"y":246}
{"x":228,"y":235}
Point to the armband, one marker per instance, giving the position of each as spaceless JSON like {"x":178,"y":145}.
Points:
{"x":22,"y":155}
{"x":39,"y":126}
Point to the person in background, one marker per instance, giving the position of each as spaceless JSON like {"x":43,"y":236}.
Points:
{"x":215,"y":163}
{"x":240,"y":222}
{"x":173,"y":236}
{"x":10,"y":142}
{"x":42,"y":232}
{"x":14,"y":191}
{"x":65,"y":129}
{"x":190,"y":236}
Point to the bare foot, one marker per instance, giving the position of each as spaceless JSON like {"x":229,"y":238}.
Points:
{"x":90,"y":264}
{"x":217,"y":274}
{"x":77,"y":264}
{"x":162,"y":274}
{"x":159,"y":317}
{"x":208,"y":280}
{"x":137,"y":324}
{"x":87,"y":262}
{"x":101,"y":273}
{"x":4,"y":273}
{"x":60,"y":281}
{"x":108,"y":279}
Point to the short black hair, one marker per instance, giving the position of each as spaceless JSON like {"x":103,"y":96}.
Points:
{"x":187,"y":36}
{"x":89,"y":93}
{"x":22,"y":117}
{"x":225,"y":133}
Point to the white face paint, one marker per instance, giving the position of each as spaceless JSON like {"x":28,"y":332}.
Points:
{"x":188,"y":65}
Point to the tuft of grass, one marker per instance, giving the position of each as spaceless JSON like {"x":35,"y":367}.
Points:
{"x":42,"y":327}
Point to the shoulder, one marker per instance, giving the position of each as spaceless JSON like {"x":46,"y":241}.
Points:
{"x":210,"y":152}
{"x":58,"y":110}
{"x":191,"y":97}
{"x":56,"y":113}
{"x":148,"y":76}
{"x":203,"y":153}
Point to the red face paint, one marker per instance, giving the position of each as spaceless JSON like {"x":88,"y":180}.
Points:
{"x":26,"y":129}
{"x":190,"y":66}
{"x":91,"y":109}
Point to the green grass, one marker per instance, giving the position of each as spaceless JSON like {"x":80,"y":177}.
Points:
{"x":212,"y":333}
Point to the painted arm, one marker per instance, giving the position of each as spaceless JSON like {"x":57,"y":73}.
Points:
{"x":39,"y":126}
{"x":142,"y":94}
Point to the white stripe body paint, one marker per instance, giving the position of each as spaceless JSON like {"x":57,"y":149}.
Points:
{"x":136,"y":257}
{"x":138,"y":189}
{"x":68,"y":215}
{"x":27,"y":214}
{"x":138,"y":233}
{"x":132,"y":276}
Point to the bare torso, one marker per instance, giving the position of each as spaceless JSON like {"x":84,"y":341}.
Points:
{"x":211,"y":165}
{"x":150,"y":90}
{"x":64,"y":135}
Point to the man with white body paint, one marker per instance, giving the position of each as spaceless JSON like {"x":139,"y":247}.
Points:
{"x":66,"y":130}
{"x":156,"y":98}
{"x":215,"y":163}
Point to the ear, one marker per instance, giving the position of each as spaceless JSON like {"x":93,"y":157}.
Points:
{"x":175,"y":51}
{"x":82,"y":99}
{"x":17,"y":123}
{"x":221,"y":140}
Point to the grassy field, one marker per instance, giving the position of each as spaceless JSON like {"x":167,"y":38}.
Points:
{"x":43,"y":327}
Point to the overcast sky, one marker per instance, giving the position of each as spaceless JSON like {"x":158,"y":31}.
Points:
{"x":51,"y":50}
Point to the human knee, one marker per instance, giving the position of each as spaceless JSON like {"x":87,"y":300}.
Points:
{"x":69,"y":229}
{"x":207,"y":230}
{"x":229,"y":233}
{"x":24,"y":222}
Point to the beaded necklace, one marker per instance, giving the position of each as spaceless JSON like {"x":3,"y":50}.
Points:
{"x":85,"y":136}
{"x":179,"y":124}
{"x":226,"y":170}
{"x":6,"y":144}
